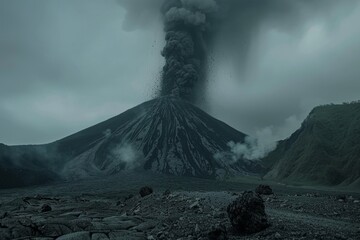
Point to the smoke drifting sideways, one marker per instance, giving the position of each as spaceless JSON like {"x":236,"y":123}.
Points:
{"x":195,"y":28}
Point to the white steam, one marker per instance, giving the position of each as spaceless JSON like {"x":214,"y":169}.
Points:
{"x":255,"y":147}
{"x":124,"y":157}
{"x":107,"y":133}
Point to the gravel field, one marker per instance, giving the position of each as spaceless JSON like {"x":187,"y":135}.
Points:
{"x":179,"y":208}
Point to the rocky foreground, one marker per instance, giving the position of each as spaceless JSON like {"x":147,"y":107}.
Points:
{"x":77,"y":212}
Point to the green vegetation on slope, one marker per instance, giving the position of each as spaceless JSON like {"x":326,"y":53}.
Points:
{"x":325,"y":150}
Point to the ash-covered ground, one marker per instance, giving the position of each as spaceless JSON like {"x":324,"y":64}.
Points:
{"x":178,"y":208}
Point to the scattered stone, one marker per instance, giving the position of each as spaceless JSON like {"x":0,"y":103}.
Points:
{"x":264,"y":190}
{"x":197,"y":229}
{"x":137,"y":210}
{"x":75,"y":236}
{"x":130,"y":196}
{"x":45,"y":208}
{"x":195,"y":205}
{"x":218,"y":233}
{"x":340,"y":236}
{"x":3,"y":215}
{"x":277,"y":235}
{"x":174,"y":216}
{"x":336,"y":214}
{"x":247,"y":213}
{"x":219,"y":214}
{"x":341,"y":198}
{"x":356,"y":201}
{"x":317,"y":194}
{"x":145,"y":226}
{"x":145,"y":191}
{"x":167,"y":192}
{"x":74,"y":214}
{"x":126,"y":235}
{"x":99,"y":236}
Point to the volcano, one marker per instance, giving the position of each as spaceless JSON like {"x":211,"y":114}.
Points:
{"x":165,"y":135}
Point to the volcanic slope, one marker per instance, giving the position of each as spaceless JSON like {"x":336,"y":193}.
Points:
{"x":325,"y":150}
{"x":165,"y":135}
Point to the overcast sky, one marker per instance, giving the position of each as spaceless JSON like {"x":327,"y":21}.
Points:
{"x":66,"y":65}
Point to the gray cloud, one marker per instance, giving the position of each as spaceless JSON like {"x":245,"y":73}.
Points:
{"x":66,"y":65}
{"x":289,"y":73}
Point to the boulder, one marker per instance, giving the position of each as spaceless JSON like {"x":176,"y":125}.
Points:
{"x":341,"y":197}
{"x":167,"y":192}
{"x":144,"y":191}
{"x":247,"y":213}
{"x":45,"y":208}
{"x":264,"y":190}
{"x":218,"y":233}
{"x":76,"y":236}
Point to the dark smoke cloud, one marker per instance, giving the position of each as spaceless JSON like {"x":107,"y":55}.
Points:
{"x":193,"y":28}
{"x":187,"y":22}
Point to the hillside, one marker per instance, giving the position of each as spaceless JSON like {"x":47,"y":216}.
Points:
{"x":325,"y":150}
{"x":25,"y":166}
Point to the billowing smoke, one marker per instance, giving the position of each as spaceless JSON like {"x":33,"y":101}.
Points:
{"x":194,"y":29}
{"x":187,"y":22}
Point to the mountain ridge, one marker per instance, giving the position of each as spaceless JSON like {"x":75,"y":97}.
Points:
{"x":325,"y":150}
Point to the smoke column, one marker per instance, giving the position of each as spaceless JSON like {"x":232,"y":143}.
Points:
{"x":187,"y":22}
{"x":230,"y":26}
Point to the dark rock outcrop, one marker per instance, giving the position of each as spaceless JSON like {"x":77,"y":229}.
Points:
{"x":45,"y":208}
{"x":247,"y":213}
{"x":218,"y":233}
{"x":167,"y":192}
{"x":264,"y":190}
{"x":145,"y":191}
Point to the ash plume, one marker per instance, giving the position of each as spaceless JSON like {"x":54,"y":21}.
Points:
{"x":187,"y":22}
{"x":195,"y":28}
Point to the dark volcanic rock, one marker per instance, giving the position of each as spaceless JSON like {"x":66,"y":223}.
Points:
{"x":341,"y":197}
{"x":45,"y":208}
{"x":264,"y":190}
{"x":218,"y":233}
{"x":247,"y":213}
{"x":167,"y":192}
{"x":144,"y":191}
{"x":128,"y":197}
